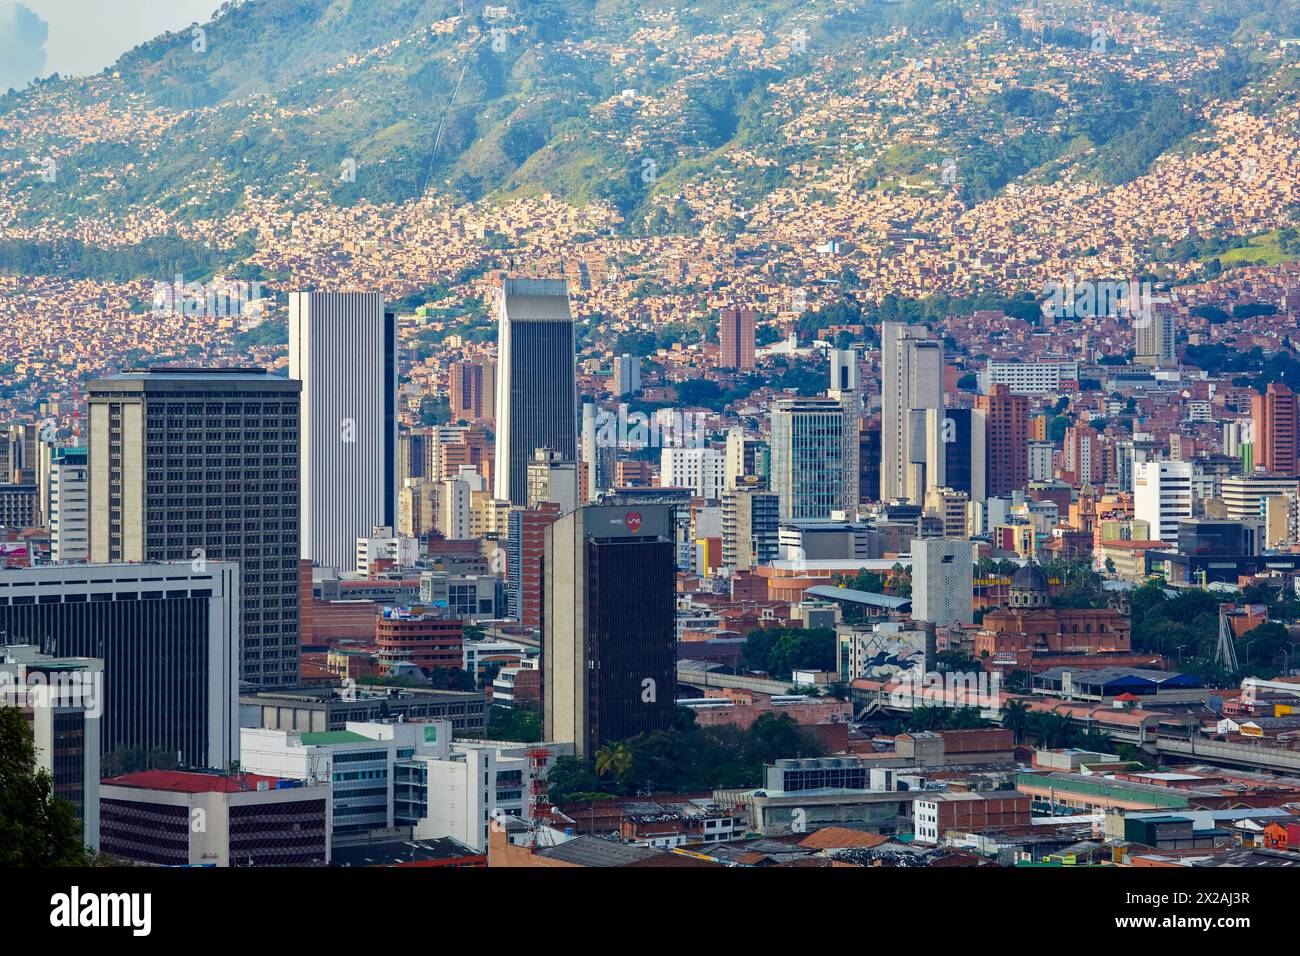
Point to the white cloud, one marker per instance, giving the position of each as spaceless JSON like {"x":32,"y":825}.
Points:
{"x":22,"y":45}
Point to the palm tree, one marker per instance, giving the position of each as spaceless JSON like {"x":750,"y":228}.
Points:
{"x":615,"y":758}
{"x":1016,"y":719}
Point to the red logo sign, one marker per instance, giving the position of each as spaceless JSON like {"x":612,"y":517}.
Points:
{"x":633,"y":521}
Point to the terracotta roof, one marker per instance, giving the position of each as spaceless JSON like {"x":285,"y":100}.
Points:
{"x":834,"y":838}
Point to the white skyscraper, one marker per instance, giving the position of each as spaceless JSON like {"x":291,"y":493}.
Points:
{"x":343,"y":348}
{"x":845,"y":387}
{"x":911,"y":382}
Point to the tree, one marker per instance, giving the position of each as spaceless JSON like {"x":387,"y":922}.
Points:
{"x":1015,"y":718}
{"x":615,"y":759}
{"x":36,"y":828}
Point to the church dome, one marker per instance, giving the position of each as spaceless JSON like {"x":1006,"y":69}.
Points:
{"x":1029,"y":578}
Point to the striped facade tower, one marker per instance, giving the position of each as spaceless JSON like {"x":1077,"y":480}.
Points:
{"x":343,"y":348}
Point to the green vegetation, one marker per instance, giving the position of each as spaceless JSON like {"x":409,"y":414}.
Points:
{"x":684,"y":759}
{"x":514,"y":723}
{"x":36,"y":828}
{"x":779,"y":651}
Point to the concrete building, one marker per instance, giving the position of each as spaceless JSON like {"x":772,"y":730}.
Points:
{"x":1155,"y":340}
{"x":911,"y":382}
{"x":943,"y":581}
{"x":700,"y":469}
{"x":551,"y":478}
{"x":343,"y":349}
{"x":537,"y":381}
{"x":1007,"y":417}
{"x":750,"y":527}
{"x":1276,"y":419}
{"x":472,"y":391}
{"x":123,"y":615}
{"x":1163,"y":494}
{"x":201,"y":465}
{"x":69,"y":513}
{"x":736,"y":329}
{"x":62,"y":700}
{"x":171,"y":818}
{"x":382,"y":545}
{"x":609,"y":659}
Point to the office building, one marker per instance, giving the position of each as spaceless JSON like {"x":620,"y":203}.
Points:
{"x":201,"y":465}
{"x":429,"y":638}
{"x":845,"y":387}
{"x":384,"y":549}
{"x":943,"y":581}
{"x":62,"y":701}
{"x":807,"y":457}
{"x":1030,"y":378}
{"x":955,"y":452}
{"x":1276,"y":416}
{"x":171,"y":818}
{"x":20,"y":506}
{"x":537,"y":381}
{"x":1163,"y":494}
{"x":608,"y":616}
{"x":736,"y":339}
{"x":319,"y":709}
{"x":69,"y":510}
{"x":343,"y":349}
{"x":745,"y":457}
{"x":1041,"y":455}
{"x":1007,"y":446}
{"x":911,"y":383}
{"x":472,"y":391}
{"x":168,"y":637}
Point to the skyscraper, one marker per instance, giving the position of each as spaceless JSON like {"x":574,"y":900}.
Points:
{"x":201,"y":465}
{"x":343,"y":349}
{"x":911,"y":382}
{"x":537,"y":390}
{"x":955,"y":452}
{"x":1162,"y":494}
{"x":736,"y":339}
{"x":609,"y":639}
{"x":807,"y":457}
{"x":845,"y":387}
{"x":750,"y":526}
{"x":1007,"y":415}
{"x":1275,"y":421}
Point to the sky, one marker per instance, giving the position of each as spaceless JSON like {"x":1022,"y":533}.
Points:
{"x":81,"y":37}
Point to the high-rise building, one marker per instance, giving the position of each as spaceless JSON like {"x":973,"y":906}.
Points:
{"x":1007,"y":417}
{"x":69,"y":505}
{"x":845,"y":387}
{"x":343,"y":349}
{"x":537,"y":388}
{"x":168,"y":637}
{"x":525,"y":548}
{"x":62,"y":701}
{"x":609,"y":624}
{"x":1154,"y":341}
{"x":627,"y":375}
{"x":700,"y":469}
{"x":736,"y":339}
{"x":1041,"y":454}
{"x":1275,"y":420}
{"x":745,"y":457}
{"x":201,"y":465}
{"x":807,"y":457}
{"x":911,"y":382}
{"x":955,"y":451}
{"x":1162,"y":494}
{"x":551,"y":478}
{"x":472,"y":391}
{"x":869,"y":459}
{"x":1084,"y":460}
{"x":943,"y":581}
{"x":751,"y":526}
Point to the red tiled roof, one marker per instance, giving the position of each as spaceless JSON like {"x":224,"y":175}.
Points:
{"x":178,"y":781}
